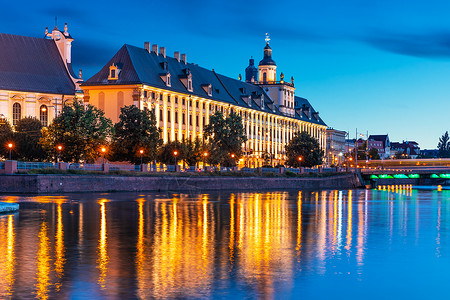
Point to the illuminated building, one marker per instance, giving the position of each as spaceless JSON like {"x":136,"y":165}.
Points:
{"x":36,"y":76}
{"x":183,"y":95}
{"x":335,"y":149}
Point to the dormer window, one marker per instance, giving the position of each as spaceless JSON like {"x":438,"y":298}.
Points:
{"x":113,"y":72}
{"x":207,"y":88}
{"x":189,"y":81}
{"x":166,"y":78}
{"x":186,"y":79}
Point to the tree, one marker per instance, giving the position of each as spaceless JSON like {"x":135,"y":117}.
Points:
{"x":307,"y":148}
{"x":6,"y":137}
{"x":373,"y":153}
{"x":226,"y":136}
{"x":135,"y":131}
{"x":80,"y":130}
{"x":27,"y":136}
{"x":444,"y":145}
{"x":166,"y":152}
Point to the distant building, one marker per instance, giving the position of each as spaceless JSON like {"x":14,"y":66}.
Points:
{"x":36,"y":75}
{"x":336,"y":147}
{"x":429,"y":153}
{"x":406,"y":149}
{"x":382,"y":144}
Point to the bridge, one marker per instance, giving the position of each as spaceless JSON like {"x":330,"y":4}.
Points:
{"x":406,"y":175}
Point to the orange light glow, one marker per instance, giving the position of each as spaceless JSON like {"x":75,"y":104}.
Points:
{"x":175,"y":153}
{"x":10,"y":145}
{"x":141,"y":151}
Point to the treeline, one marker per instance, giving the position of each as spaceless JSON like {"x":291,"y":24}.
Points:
{"x":444,"y":146}
{"x":80,"y":133}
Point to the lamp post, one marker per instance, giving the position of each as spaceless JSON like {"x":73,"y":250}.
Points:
{"x":205,"y":155}
{"x":175,"y":153}
{"x":299,"y":163}
{"x":10,"y":145}
{"x":103,"y":154}
{"x":340,"y":159}
{"x":141,"y":152}
{"x":59,"y":147}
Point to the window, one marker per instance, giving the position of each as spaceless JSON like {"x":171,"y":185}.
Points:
{"x":168,"y":98}
{"x":168,"y":116}
{"x":160,"y":115}
{"x":153,"y":95}
{"x":184,"y":119}
{"x":145,"y":94}
{"x":168,"y":79}
{"x":176,"y":100}
{"x":43,"y":115}
{"x":190,"y":121}
{"x":113,"y":73}
{"x":196,"y":104}
{"x":183,"y":101}
{"x":204,"y":106}
{"x":161,"y":97}
{"x":17,"y":113}
{"x":204,"y":121}
{"x":264,"y":77}
{"x":196,"y":121}
{"x":176,"y":117}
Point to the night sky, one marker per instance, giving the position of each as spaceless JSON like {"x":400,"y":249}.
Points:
{"x":379,"y":66}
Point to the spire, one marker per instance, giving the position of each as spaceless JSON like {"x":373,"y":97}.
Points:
{"x":267,"y":60}
{"x":251,"y":72}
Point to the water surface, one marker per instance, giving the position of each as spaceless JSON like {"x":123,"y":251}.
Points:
{"x":352,"y":244}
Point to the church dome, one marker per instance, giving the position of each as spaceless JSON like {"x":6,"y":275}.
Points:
{"x":267,"y":60}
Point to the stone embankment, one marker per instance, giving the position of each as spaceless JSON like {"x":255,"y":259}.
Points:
{"x":112,"y":183}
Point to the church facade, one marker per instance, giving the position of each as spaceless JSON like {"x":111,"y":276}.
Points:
{"x":184,"y":95}
{"x":36,"y":76}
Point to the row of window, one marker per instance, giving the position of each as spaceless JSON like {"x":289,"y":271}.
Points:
{"x":43,"y":114}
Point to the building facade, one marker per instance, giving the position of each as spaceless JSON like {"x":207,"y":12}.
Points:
{"x":382,"y":144}
{"x":405,"y":149}
{"x":183,"y":96}
{"x":36,"y":76}
{"x":335,"y":146}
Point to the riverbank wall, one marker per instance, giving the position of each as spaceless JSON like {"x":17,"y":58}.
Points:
{"x":47,"y":184}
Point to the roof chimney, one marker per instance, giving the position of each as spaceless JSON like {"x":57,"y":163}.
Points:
{"x":155,"y":48}
{"x":162,"y":51}
{"x":176,"y":54}
{"x":183,"y":58}
{"x":147,"y":46}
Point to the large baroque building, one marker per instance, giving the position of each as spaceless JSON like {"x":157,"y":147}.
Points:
{"x":183,"y":95}
{"x":36,"y":76}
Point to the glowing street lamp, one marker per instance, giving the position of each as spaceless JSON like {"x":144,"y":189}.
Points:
{"x":232,"y":155}
{"x":10,"y":146}
{"x":59,"y":147}
{"x":141,"y":152}
{"x":175,"y":153}
{"x":299,"y":163}
{"x":103,"y":149}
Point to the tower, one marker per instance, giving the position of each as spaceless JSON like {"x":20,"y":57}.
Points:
{"x":251,"y":72}
{"x":267,"y":66}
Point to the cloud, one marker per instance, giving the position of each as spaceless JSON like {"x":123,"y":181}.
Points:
{"x":428,"y":45}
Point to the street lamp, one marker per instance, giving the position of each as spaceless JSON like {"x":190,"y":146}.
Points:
{"x":175,"y":153}
{"x":10,"y":145}
{"x":205,"y":155}
{"x":141,"y":152}
{"x":103,"y":154}
{"x":299,"y":163}
{"x":340,"y":158}
{"x":59,"y":147}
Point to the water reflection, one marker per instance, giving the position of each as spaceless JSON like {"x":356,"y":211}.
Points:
{"x":207,"y":245}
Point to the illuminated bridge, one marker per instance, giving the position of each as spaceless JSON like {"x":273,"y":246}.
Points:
{"x":401,"y":175}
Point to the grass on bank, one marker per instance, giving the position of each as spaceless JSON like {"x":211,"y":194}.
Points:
{"x":287,"y":174}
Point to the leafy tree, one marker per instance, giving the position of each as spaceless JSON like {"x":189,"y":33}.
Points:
{"x":226,"y":136}
{"x":27,"y":135}
{"x":165,"y":153}
{"x":373,"y":153}
{"x":444,"y":145}
{"x":305,"y":146}
{"x":135,"y":131}
{"x":6,"y":137}
{"x":80,"y":130}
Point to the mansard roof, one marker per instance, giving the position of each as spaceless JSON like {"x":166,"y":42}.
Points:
{"x":29,"y":64}
{"x":137,"y":66}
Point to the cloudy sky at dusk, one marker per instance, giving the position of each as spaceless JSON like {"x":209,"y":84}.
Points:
{"x":379,"y":66}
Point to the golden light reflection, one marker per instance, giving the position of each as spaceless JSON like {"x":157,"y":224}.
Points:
{"x":266,"y":240}
{"x":43,"y":263}
{"x":349,"y":220}
{"x":232,"y":231}
{"x":103,"y":259}
{"x":140,"y":253}
{"x":7,"y":256}
{"x":59,"y":247}
{"x":299,"y":223}
{"x":361,"y":234}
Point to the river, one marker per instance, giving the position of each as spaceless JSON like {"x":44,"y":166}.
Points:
{"x":351,"y":244}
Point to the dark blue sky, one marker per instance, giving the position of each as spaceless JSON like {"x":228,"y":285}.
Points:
{"x":381,"y":66}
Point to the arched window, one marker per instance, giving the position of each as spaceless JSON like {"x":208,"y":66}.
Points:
{"x":43,"y":115}
{"x":264,"y":77}
{"x":17,"y":113}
